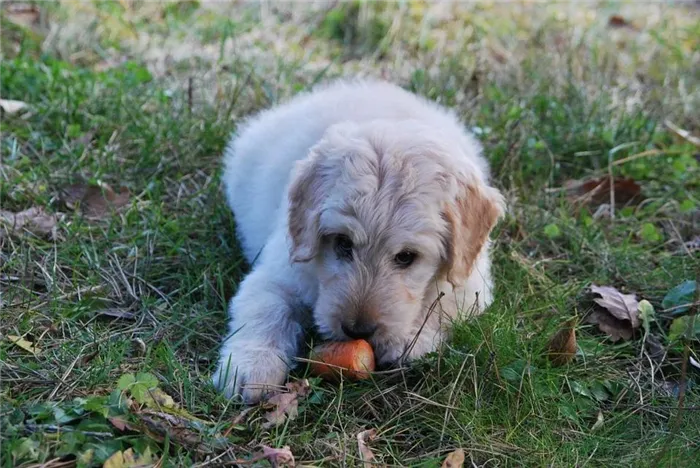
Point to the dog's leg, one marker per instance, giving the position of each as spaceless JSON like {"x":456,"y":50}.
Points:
{"x":265,"y":332}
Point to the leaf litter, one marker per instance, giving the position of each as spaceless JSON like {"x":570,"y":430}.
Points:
{"x":285,"y":405}
{"x":276,"y":456}
{"x":94,"y":201}
{"x":562,"y":345}
{"x":11,"y":106}
{"x":597,"y":191}
{"x":34,"y":220}
{"x":366,"y":455}
{"x":619,"y":316}
{"x":24,"y":344}
{"x":454,"y":459}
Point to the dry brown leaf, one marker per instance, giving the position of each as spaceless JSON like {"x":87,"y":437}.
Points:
{"x":94,"y":201}
{"x":277,"y":457}
{"x":22,"y":14}
{"x":597,"y":191}
{"x":621,"y":306}
{"x":10,"y":106}
{"x":120,"y":424}
{"x":366,"y":455}
{"x":618,"y":21}
{"x":614,"y":328}
{"x":285,"y":405}
{"x":454,"y":459}
{"x":26,"y":345}
{"x":34,"y":220}
{"x":562,"y":346}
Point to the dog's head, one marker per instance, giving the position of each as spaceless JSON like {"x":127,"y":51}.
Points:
{"x":384,"y":211}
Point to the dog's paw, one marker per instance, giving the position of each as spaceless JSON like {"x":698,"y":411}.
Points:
{"x":252,"y":374}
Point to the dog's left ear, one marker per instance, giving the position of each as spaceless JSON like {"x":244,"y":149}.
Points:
{"x":470,"y":217}
{"x":303,"y":213}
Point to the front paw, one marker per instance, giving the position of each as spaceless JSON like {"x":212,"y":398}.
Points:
{"x":251,"y":373}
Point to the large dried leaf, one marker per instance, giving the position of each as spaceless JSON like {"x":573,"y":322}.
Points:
{"x":621,"y":306}
{"x":597,"y":191}
{"x":10,"y":106}
{"x":285,"y":405}
{"x":366,"y":455}
{"x":562,"y":346}
{"x":94,"y":201}
{"x":620,"y":318}
{"x":276,"y":456}
{"x":26,"y":345}
{"x":614,"y":328}
{"x":22,"y":14}
{"x":454,"y":459}
{"x":34,"y":220}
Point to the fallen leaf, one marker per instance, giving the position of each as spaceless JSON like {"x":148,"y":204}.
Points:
{"x":158,"y":399}
{"x":366,"y":455}
{"x":22,"y":14}
{"x":277,"y":457}
{"x":618,"y":21}
{"x":614,"y":328}
{"x":94,"y":201}
{"x":454,"y":459}
{"x":24,"y":344}
{"x":285,"y":405}
{"x":621,"y":306}
{"x":597,"y":191}
{"x":120,"y":424}
{"x":34,"y":220}
{"x":10,"y":106}
{"x":600,"y":420}
{"x":562,"y":345}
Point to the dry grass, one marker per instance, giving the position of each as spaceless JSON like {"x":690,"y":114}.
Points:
{"x":144,"y":95}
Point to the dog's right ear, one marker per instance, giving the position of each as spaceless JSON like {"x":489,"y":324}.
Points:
{"x":303,"y":213}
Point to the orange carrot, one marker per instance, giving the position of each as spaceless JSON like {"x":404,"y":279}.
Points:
{"x":355,"y":359}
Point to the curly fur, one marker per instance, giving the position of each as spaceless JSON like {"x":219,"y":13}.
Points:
{"x":392,"y":172}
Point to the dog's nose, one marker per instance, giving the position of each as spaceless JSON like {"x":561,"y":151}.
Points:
{"x":359,"y":330}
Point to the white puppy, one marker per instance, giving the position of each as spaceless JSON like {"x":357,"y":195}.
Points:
{"x":358,"y":204}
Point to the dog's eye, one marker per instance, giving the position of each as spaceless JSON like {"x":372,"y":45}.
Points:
{"x":343,"y":246}
{"x":404,"y":259}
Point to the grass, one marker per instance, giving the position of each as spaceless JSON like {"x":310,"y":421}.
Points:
{"x":553,"y":92}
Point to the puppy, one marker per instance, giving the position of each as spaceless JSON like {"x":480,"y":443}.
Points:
{"x":359,"y":205}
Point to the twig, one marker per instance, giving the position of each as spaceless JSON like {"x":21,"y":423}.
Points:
{"x":52,"y":428}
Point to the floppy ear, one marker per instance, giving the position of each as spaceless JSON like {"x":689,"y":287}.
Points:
{"x":304,"y":210}
{"x":471,"y":217}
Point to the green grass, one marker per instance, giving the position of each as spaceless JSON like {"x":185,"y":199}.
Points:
{"x":553,"y":98}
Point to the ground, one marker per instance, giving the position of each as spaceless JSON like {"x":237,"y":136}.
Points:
{"x":114,"y":290}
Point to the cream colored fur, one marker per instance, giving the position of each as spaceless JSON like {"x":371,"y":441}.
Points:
{"x":394,"y":174}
